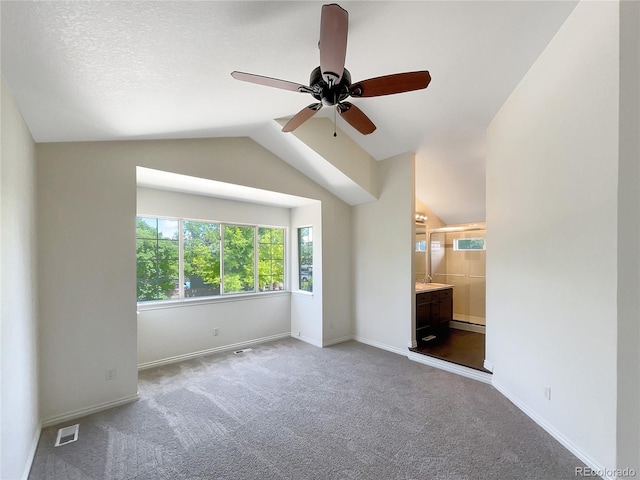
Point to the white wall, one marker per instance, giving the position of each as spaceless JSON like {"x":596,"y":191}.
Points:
{"x":306,"y":308}
{"x":88,"y":191}
{"x":86,"y":280}
{"x":179,"y":330}
{"x":151,"y":201}
{"x":629,"y":240}
{"x":173,"y":333}
{"x":383,"y":276}
{"x":341,"y":151}
{"x":18,"y":292}
{"x":552,"y":179}
{"x":336,"y":230}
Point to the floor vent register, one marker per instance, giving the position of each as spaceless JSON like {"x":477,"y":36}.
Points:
{"x":67,"y":435}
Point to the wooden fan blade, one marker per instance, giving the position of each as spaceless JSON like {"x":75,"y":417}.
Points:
{"x":269,"y":82}
{"x":334,"y":24}
{"x":390,"y":84}
{"x":355,"y":117}
{"x":301,"y":117}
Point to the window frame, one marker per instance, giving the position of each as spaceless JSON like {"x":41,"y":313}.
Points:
{"x":160,"y":217}
{"x":456,"y":242}
{"x":223,"y":226}
{"x":299,"y":258}
{"x":182,"y":221}
{"x":152,"y":304}
{"x":284,"y":258}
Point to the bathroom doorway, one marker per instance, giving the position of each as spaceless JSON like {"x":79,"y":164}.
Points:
{"x":456,"y":256}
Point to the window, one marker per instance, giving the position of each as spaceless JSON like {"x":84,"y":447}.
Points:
{"x":157,"y":247}
{"x":468,"y":244}
{"x":271,"y":258}
{"x":201,"y":259}
{"x":238,"y":259}
{"x":305,"y":258}
{"x":207,"y":259}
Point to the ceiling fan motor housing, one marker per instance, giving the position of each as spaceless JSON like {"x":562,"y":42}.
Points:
{"x":329,"y":94}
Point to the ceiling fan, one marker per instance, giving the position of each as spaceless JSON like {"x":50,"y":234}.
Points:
{"x":330,"y":83}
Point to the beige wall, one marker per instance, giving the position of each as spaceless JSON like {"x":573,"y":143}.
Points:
{"x":19,"y":406}
{"x":307,"y":312}
{"x":421,"y":260}
{"x":341,"y":151}
{"x":177,"y":331}
{"x":629,"y":240}
{"x":383,"y":260}
{"x":552,"y":168}
{"x":87,"y":203}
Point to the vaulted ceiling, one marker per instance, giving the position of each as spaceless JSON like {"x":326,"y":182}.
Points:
{"x":99,"y":70}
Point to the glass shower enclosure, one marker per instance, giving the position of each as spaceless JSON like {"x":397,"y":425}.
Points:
{"x":458,"y":258}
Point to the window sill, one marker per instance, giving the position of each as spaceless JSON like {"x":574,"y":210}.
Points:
{"x":302,"y":293}
{"x":191,"y":302}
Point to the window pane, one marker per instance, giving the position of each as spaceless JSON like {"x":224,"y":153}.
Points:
{"x":271,"y":258}
{"x":157,"y":259}
{"x":305,"y":258}
{"x":168,"y":229}
{"x":201,"y":259}
{"x":468,"y":244}
{"x":264,"y":251}
{"x":238,"y":259}
{"x":147,"y":228}
{"x":204,"y":254}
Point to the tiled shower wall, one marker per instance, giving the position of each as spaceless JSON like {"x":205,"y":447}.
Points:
{"x":465,"y":270}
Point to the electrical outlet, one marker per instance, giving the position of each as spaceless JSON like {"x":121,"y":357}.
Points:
{"x":216,"y":332}
{"x":547,"y":393}
{"x":110,"y":374}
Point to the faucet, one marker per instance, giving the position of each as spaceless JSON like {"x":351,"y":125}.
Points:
{"x":427,"y":277}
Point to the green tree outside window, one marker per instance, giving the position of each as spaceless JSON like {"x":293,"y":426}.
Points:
{"x":305,"y":258}
{"x":238,"y":259}
{"x":157,"y":259}
{"x":213,"y":254}
{"x":270,"y":258}
{"x":201,"y":259}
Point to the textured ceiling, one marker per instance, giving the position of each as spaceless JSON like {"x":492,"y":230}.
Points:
{"x":120,"y":70}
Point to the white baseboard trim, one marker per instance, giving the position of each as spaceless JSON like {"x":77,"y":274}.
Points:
{"x":550,"y":429}
{"x":469,"y":327}
{"x":487,"y":365}
{"x":209,"y":351}
{"x":335,"y":341}
{"x":373,"y":343}
{"x":32,"y":452}
{"x":83,"y":412}
{"x":312,"y":341}
{"x":451,"y":367}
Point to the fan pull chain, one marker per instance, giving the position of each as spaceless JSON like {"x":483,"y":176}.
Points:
{"x":335,"y":134}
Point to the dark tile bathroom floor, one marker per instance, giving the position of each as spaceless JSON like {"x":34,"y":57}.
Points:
{"x":460,"y":346}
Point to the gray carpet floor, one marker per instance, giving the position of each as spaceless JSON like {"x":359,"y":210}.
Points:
{"x":289,"y":410}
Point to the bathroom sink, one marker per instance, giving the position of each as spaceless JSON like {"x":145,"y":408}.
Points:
{"x":425,"y":287}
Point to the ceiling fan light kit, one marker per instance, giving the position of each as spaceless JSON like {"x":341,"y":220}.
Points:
{"x":330,"y":83}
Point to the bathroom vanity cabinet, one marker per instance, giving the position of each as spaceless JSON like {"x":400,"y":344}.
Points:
{"x":434,"y":310}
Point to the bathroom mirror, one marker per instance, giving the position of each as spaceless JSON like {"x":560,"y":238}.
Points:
{"x":420,"y":253}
